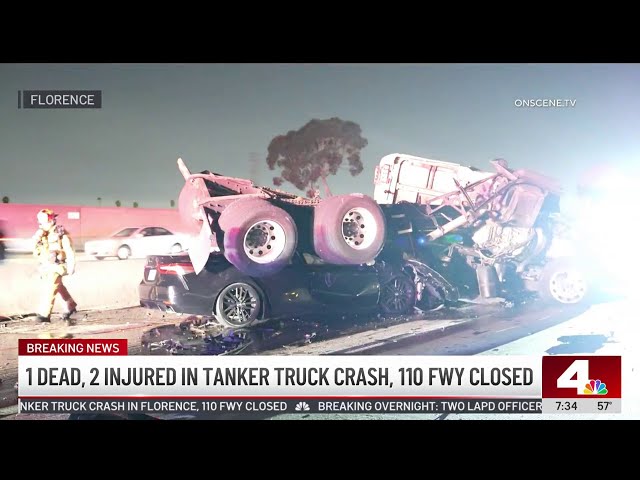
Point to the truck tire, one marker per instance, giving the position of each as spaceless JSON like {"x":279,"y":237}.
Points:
{"x":348,"y":229}
{"x":259,"y":239}
{"x":563,"y":281}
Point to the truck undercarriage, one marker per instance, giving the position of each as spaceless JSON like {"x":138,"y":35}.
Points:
{"x":258,"y":229}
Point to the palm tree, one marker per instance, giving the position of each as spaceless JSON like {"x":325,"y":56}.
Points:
{"x":5,"y":199}
{"x":99,"y":201}
{"x":118,"y":203}
{"x":135,"y":204}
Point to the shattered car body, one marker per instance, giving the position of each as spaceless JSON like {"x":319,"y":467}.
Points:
{"x":258,"y":229}
{"x":505,"y":223}
{"x":307,"y":285}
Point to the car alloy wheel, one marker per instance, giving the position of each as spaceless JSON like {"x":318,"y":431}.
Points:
{"x":238,"y":305}
{"x":398,"y":295}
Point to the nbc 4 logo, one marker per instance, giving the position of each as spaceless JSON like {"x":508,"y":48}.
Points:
{"x":577,"y":376}
{"x":302,"y":407}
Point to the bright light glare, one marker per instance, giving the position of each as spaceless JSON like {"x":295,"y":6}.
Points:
{"x":613,"y":182}
{"x":604,"y":230}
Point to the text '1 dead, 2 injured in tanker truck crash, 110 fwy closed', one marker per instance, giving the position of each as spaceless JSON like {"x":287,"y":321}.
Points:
{"x":440,"y":228}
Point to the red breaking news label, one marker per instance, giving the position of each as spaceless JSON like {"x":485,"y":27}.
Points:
{"x":58,"y":346}
{"x":573,"y":376}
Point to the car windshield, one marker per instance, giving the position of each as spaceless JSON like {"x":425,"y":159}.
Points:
{"x":125,"y":233}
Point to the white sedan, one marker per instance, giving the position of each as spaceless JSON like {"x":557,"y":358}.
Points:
{"x":137,"y":242}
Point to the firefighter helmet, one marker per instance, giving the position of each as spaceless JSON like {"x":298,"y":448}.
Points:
{"x":46,"y":216}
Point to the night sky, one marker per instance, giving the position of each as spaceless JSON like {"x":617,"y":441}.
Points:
{"x":216,"y":116}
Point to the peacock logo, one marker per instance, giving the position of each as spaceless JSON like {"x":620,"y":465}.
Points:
{"x":302,"y":407}
{"x":595,"y":387}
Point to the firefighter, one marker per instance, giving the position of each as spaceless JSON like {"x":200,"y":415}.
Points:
{"x":54,"y":250}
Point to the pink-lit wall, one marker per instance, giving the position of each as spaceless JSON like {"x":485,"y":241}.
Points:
{"x":18,"y":221}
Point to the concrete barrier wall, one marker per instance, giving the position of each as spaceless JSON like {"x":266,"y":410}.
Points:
{"x":95,"y":285}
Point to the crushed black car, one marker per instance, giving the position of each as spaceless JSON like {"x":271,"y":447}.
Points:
{"x":393,"y":284}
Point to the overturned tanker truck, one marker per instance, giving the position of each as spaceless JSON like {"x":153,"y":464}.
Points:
{"x":504,"y":225}
{"x":258,"y":229}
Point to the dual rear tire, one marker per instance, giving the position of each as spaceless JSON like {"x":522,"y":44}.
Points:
{"x":260,"y":239}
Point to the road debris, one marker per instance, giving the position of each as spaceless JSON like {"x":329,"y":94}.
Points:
{"x":9,"y":318}
{"x":170,"y":345}
{"x":227,"y":343}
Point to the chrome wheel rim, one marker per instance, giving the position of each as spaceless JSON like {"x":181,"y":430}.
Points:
{"x":568,"y":286}
{"x":358,"y":228}
{"x":239,"y":304}
{"x":264,"y":241}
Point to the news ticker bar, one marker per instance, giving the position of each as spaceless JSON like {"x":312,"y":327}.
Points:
{"x":280,"y":406}
{"x":581,"y":405}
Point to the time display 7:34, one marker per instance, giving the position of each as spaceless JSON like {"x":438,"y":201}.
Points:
{"x":566,"y":406}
